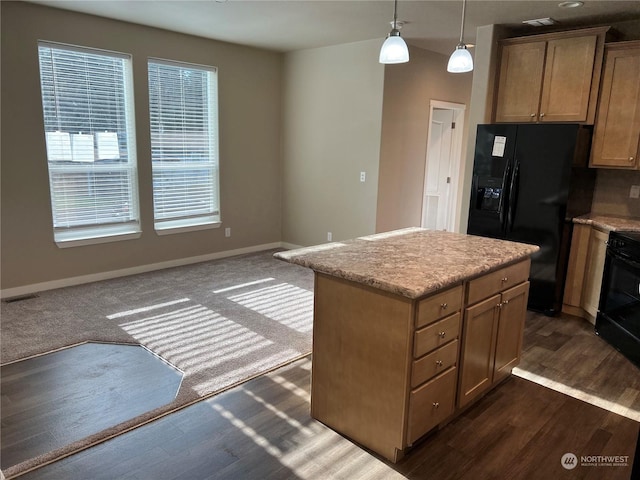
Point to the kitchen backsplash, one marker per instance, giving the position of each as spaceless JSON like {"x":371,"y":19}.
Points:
{"x":611,"y":195}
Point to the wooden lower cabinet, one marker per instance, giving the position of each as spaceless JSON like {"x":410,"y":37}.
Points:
{"x":510,"y":330}
{"x":478,"y":349}
{"x":584,"y":272}
{"x":491,"y":341}
{"x":386,"y":369}
{"x":594,"y":271}
{"x":431,"y":404}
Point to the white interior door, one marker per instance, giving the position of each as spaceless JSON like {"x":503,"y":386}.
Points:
{"x":438,"y":191}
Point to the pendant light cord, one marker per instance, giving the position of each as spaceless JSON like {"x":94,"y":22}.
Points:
{"x":395,"y":14}
{"x":464,"y":4}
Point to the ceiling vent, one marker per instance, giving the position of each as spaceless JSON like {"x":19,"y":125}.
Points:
{"x":540,"y":22}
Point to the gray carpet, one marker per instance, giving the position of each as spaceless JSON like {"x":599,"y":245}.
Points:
{"x":220,"y":322}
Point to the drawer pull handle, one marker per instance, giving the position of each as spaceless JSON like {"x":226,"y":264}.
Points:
{"x":499,"y":305}
{"x":438,"y":363}
{"x":442,"y":334}
{"x":506,"y":302}
{"x":444,"y":306}
{"x":505,"y":279}
{"x":436,"y":405}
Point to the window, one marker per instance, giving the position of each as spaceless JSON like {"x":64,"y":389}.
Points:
{"x":183,"y":112}
{"x":87,"y":102}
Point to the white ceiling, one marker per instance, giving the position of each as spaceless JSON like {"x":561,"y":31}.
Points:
{"x":287,"y":25}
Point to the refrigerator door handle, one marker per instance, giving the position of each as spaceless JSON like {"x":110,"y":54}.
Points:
{"x":505,"y":192}
{"x":513,"y":196}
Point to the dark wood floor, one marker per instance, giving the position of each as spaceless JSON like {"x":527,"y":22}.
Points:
{"x":564,"y":353}
{"x":56,"y":399}
{"x":262,"y":429}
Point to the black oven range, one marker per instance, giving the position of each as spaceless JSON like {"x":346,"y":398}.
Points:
{"x":618,"y":319}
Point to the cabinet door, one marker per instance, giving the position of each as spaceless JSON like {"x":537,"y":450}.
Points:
{"x":478,"y":349}
{"x":577,"y":265}
{"x":617,"y":130}
{"x":593,"y":274}
{"x":521,"y":69}
{"x":510,"y":330}
{"x":568,"y":74}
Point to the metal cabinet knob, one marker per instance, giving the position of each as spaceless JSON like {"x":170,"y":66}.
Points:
{"x":533,"y":115}
{"x":442,"y":334}
{"x":444,"y":306}
{"x":541,"y":115}
{"x":499,"y":305}
{"x":438,"y":363}
{"x":506,"y":302}
{"x":505,"y":279}
{"x":436,"y":405}
{"x":631,"y":159}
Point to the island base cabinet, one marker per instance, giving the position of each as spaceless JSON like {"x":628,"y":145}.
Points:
{"x":360,"y":363}
{"x":431,"y":404}
{"x":491,"y":341}
{"x":510,"y":330}
{"x":478,"y":349}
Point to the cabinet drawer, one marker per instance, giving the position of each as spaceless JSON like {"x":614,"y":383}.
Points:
{"x":436,"y":335}
{"x":431,"y":404}
{"x":495,"y":282}
{"x":439,"y":305}
{"x":434,"y":363}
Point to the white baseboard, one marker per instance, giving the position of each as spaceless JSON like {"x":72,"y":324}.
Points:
{"x":96,"y":277}
{"x":290,"y":246}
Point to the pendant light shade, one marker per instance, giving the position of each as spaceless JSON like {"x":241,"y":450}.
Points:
{"x":394,"y":49}
{"x":460,"y":60}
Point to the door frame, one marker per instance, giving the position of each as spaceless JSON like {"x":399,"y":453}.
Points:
{"x":456,"y":165}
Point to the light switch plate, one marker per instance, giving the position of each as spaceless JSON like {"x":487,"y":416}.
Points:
{"x":635,"y":191}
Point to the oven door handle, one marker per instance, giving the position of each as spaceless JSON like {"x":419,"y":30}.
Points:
{"x":624,"y":258}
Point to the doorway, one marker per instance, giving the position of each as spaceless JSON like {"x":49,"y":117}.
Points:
{"x":443,"y":165}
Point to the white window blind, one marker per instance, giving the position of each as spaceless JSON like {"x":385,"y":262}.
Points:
{"x":87,"y":103}
{"x":183,"y":108}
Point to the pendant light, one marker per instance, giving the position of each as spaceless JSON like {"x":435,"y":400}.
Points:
{"x":460,"y":60}
{"x":394,"y":49}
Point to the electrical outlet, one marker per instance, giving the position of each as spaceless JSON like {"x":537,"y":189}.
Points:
{"x":329,"y":236}
{"x":363,"y":176}
{"x":635,"y":191}
{"x":227,"y":232}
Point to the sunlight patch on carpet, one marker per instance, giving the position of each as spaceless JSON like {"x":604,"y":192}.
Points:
{"x":287,"y":304}
{"x":243,"y":285}
{"x":146,"y":309}
{"x":196,"y":339}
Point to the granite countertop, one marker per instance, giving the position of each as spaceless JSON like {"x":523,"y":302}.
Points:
{"x":410,"y":262}
{"x":609,"y":222}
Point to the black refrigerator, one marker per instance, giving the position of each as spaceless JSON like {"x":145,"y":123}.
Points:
{"x":529,"y":181}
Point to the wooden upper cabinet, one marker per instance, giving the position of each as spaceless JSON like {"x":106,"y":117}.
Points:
{"x":568,"y":75}
{"x":616,"y":141}
{"x":521,"y":69}
{"x":551,"y":77}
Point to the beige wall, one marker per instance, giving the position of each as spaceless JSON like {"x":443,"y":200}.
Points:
{"x":408,"y":89}
{"x":250,"y":119}
{"x":332,"y":118}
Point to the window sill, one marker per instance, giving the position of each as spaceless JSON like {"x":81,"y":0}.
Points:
{"x":183,"y":226}
{"x":94,"y":236}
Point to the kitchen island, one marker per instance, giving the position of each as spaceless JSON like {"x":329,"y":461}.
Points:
{"x":410,"y":327}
